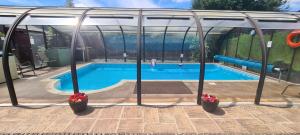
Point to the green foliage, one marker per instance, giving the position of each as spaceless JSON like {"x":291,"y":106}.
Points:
{"x":232,"y":44}
{"x":2,"y":34}
{"x":69,"y":3}
{"x":280,"y":51}
{"x":252,"y":5}
{"x":244,"y":45}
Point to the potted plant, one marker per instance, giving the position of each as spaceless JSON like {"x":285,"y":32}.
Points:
{"x":78,"y":102}
{"x":209,"y":102}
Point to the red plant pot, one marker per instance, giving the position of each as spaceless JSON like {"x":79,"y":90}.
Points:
{"x":78,"y":107}
{"x":78,"y":102}
{"x":209,"y":102}
{"x":209,"y":106}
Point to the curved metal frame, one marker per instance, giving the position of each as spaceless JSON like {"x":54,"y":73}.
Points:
{"x":73,"y":50}
{"x":263,"y":59}
{"x":5,"y":60}
{"x":124,"y":43}
{"x":103,"y":40}
{"x":202,"y":57}
{"x":210,"y":29}
{"x":138,"y":60}
{"x":182,"y":46}
{"x":144,"y":45}
{"x":163,"y":45}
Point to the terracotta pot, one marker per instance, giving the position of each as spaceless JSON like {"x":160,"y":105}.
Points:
{"x":209,"y":106}
{"x":78,"y":107}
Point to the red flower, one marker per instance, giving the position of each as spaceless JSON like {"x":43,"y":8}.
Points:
{"x":78,"y":97}
{"x":209,"y":98}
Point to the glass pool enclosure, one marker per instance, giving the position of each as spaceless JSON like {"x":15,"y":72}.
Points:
{"x":137,"y":36}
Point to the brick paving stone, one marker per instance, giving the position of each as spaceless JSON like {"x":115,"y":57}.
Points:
{"x":195,"y":112}
{"x":151,"y":115}
{"x":111,"y":112}
{"x":160,"y":128}
{"x":230,"y":126}
{"x":59,"y":124}
{"x":254,"y":126}
{"x":166,"y":115}
{"x":132,"y":112}
{"x":106,"y":126}
{"x":270,"y":119}
{"x":139,"y":119}
{"x":206,"y":126}
{"x":184,"y":125}
{"x":131,"y":126}
{"x":238,"y":113}
{"x":293,"y":126}
{"x":80,"y":126}
{"x":90,"y":113}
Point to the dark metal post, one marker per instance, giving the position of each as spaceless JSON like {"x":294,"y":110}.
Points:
{"x":45,"y":37}
{"x":5,"y":59}
{"x":32,"y":54}
{"x":263,"y":59}
{"x":124,"y":43}
{"x":163,"y":45}
{"x":237,"y":43}
{"x":251,"y":44}
{"x":73,"y":50}
{"x":138,"y":60}
{"x":103,"y":40}
{"x":144,"y":45}
{"x":182,"y":46}
{"x":202,"y":57}
{"x":226,"y":47}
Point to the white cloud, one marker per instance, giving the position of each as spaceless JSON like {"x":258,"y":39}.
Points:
{"x":136,"y":4}
{"x":180,"y":1}
{"x":87,"y":3}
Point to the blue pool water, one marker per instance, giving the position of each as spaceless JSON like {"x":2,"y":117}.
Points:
{"x":98,"y":76}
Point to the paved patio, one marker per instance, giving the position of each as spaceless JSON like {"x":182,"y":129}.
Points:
{"x":33,"y":89}
{"x":150,"y":119}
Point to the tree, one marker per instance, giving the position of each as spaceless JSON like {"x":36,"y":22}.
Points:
{"x":250,"y":5}
{"x":69,"y":3}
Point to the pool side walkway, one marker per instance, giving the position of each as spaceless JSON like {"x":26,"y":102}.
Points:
{"x":150,"y":119}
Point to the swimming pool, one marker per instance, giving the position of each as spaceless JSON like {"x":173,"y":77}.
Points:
{"x":98,"y":76}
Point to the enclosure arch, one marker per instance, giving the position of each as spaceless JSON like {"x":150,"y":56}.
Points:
{"x":5,"y":60}
{"x":202,"y":57}
{"x":73,"y":48}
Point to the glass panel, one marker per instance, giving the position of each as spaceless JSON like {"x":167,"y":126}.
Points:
{"x":232,"y":42}
{"x":244,"y":43}
{"x":130,"y":39}
{"x":173,"y":44}
{"x":114,"y":43}
{"x":191,"y":47}
{"x":153,"y":44}
{"x":255,"y":53}
{"x":38,"y":47}
{"x":2,"y":37}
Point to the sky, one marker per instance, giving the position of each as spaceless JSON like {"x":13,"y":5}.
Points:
{"x":294,"y":5}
